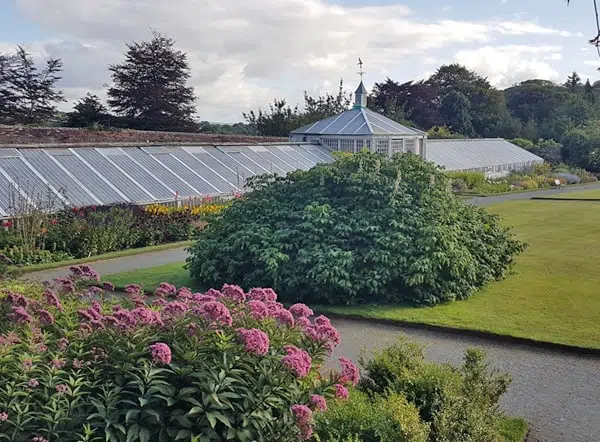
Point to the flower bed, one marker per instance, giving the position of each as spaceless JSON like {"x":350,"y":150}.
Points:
{"x":78,"y":363}
{"x":88,"y":231}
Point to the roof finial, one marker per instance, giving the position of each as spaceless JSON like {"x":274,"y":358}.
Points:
{"x":360,"y":66}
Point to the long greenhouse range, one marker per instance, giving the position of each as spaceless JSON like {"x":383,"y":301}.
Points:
{"x":82,"y":176}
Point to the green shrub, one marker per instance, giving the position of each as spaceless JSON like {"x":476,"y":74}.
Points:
{"x":529,"y":184}
{"x":474,"y":180}
{"x":459,"y":404}
{"x":363,"y":229}
{"x":382,"y":419}
{"x":225,"y":365}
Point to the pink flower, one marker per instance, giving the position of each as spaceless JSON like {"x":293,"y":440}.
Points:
{"x":98,"y":354}
{"x":185,"y":294}
{"x":199,"y":298}
{"x":16,"y":299}
{"x":56,"y":363}
{"x":303,"y":416}
{"x":33,"y":383}
{"x":27,"y":364}
{"x":95,"y":291}
{"x":39,"y":439}
{"x":297,"y":361}
{"x":133,"y":289}
{"x":258,"y":310}
{"x":323,"y":332}
{"x":161,"y":353}
{"x":233,"y":292}
{"x":159,"y":302}
{"x":341,"y":392}
{"x":62,"y":343}
{"x":3,"y":416}
{"x":41,"y":348}
{"x":108,"y":286}
{"x":96,"y":307}
{"x":20,"y":315}
{"x":165,"y":289}
{"x":175,"y":308}
{"x":46,"y":317}
{"x":283,"y":316}
{"x":350,"y":372}
{"x":300,"y":310}
{"x":214,"y":312}
{"x":214,"y":293}
{"x":51,"y":299}
{"x":125,"y":318}
{"x":264,"y":295}
{"x":147,"y":316}
{"x":255,"y":341}
{"x":61,"y":388}
{"x":77,"y":364}
{"x":303,"y":322}
{"x":318,"y":402}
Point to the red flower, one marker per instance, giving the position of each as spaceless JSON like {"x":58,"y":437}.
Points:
{"x":54,"y":221}
{"x":7,"y":223}
{"x":81,"y":213}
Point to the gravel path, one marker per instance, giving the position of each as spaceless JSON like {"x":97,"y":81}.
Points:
{"x":117,"y":265}
{"x":556,"y":393}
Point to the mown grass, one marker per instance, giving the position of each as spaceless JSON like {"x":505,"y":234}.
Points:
{"x":514,"y":429}
{"x":552,"y":296}
{"x":584,"y":194}
{"x":149,"y":278}
{"x":96,"y":258}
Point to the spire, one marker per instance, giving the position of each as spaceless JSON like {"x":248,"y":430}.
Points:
{"x":360,"y":100}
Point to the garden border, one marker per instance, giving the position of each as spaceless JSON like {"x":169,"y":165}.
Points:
{"x":23,"y":270}
{"x":491,"y":336}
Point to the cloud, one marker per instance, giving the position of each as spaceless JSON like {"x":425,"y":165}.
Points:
{"x":510,"y":64}
{"x":244,"y":53}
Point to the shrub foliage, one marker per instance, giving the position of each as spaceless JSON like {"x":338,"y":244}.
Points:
{"x":363,"y":229}
{"x":223,"y":365}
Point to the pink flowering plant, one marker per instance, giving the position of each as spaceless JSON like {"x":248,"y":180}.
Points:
{"x":83,"y":365}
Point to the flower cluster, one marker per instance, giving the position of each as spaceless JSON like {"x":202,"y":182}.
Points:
{"x":161,"y":353}
{"x":297,"y":361}
{"x":255,"y":341}
{"x":303,"y":416}
{"x":350,"y":372}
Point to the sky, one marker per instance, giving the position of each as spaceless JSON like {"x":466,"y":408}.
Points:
{"x":245,"y":53}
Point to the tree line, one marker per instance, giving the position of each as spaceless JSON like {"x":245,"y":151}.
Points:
{"x":150,"y":91}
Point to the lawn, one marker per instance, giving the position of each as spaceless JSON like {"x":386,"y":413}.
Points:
{"x":584,"y":194}
{"x":150,"y":278}
{"x":553,"y":295}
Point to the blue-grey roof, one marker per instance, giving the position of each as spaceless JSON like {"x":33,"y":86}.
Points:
{"x":105,"y":175}
{"x":357,"y":122}
{"x":475,"y":153}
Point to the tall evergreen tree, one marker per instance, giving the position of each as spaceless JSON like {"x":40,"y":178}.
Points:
{"x":150,"y":86}
{"x":28,"y":95}
{"x":588,"y":92}
{"x":456,"y":111}
{"x":573,"y":82}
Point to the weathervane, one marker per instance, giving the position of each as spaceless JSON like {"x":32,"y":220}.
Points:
{"x":360,"y":66}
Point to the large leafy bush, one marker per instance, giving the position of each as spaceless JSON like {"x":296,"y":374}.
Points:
{"x":363,"y":229}
{"x":75,"y":365}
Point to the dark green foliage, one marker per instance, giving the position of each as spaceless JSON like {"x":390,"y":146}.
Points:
{"x":89,"y":112}
{"x":150,"y":87}
{"x":27,"y":94}
{"x":380,"y":419}
{"x":458,"y":404}
{"x":363,"y":229}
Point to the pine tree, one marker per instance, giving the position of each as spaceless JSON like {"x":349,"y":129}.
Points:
{"x":573,"y":82}
{"x":88,"y":111}
{"x":588,"y":92}
{"x":27,"y":95}
{"x":150,"y":86}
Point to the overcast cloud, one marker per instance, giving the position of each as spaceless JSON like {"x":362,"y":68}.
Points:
{"x":244,"y":53}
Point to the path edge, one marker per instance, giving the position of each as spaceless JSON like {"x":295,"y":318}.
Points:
{"x":491,"y":336}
